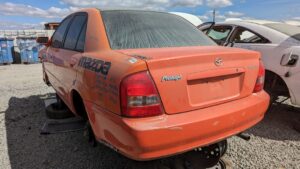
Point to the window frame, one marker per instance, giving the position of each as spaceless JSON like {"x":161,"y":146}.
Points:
{"x":229,"y":35}
{"x":251,"y":31}
{"x":67,"y":30}
{"x":230,"y":30}
{"x":84,"y":25}
{"x":81,"y":29}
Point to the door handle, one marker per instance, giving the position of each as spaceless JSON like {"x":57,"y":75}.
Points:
{"x":73,"y":62}
{"x":293,"y":60}
{"x":289,"y":60}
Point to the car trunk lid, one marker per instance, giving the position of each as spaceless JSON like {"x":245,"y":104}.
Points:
{"x":190,"y":78}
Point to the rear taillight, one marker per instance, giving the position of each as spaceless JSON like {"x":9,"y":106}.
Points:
{"x":259,"y":86}
{"x":139,"y":97}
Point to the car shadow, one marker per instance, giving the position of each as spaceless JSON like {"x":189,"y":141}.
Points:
{"x":278,"y":123}
{"x":28,"y":149}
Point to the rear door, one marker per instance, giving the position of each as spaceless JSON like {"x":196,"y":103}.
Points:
{"x":71,"y":52}
{"x":271,"y":53}
{"x":247,"y":39}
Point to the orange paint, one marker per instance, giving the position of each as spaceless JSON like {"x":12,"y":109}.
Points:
{"x":204,"y":99}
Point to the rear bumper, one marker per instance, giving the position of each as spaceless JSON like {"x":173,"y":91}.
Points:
{"x":156,"y":137}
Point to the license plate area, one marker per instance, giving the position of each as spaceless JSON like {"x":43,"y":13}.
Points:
{"x":214,"y":90}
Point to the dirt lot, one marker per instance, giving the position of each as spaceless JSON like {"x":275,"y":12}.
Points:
{"x":274,"y":143}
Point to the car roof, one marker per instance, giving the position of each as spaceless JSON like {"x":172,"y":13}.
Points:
{"x":258,"y":26}
{"x":191,"y":18}
{"x":260,"y":22}
{"x":292,"y":22}
{"x":124,"y":9}
{"x":248,"y":22}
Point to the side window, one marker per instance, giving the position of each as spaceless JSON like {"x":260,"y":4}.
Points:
{"x":81,"y":40}
{"x":220,"y":33}
{"x":58,"y":36}
{"x":245,"y":36}
{"x":74,"y":31}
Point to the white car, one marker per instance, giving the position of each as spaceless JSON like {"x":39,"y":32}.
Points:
{"x":279,"y":44}
{"x":189,"y":17}
{"x":291,"y":22}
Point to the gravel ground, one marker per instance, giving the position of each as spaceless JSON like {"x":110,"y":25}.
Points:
{"x":273,"y":144}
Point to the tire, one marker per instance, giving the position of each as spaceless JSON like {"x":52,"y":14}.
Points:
{"x":224,"y":147}
{"x":54,"y":112}
{"x":222,"y":164}
{"x":225,"y":163}
{"x":90,"y":135}
{"x":45,"y":78}
{"x":273,"y":99}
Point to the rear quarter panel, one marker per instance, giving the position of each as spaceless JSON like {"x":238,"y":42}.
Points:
{"x":101,"y":70}
{"x":101,"y":87}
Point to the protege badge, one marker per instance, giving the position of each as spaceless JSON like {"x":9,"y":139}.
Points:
{"x":171,"y":78}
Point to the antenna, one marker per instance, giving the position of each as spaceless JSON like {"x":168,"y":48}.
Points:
{"x":214,"y":15}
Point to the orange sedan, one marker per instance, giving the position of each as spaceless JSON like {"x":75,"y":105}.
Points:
{"x":151,"y":84}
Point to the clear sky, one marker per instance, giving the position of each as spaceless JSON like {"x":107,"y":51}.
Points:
{"x":16,"y":14}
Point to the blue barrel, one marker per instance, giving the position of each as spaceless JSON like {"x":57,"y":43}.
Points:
{"x":10,"y":45}
{"x":1,"y":56}
{"x":2,"y":52}
{"x":35,"y":53}
{"x":6,"y":50}
{"x":29,"y":56}
{"x":28,"y":50}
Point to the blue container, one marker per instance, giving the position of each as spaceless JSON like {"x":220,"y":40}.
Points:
{"x":10,"y":45}
{"x":2,"y":52}
{"x":29,"y":50}
{"x":29,"y":56}
{"x":35,"y":53}
{"x":1,"y":57}
{"x":6,"y":45}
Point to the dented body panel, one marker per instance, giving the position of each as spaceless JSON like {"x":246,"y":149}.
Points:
{"x":165,"y":135}
{"x":206,"y":92}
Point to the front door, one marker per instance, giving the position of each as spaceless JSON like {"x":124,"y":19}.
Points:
{"x":53,"y":54}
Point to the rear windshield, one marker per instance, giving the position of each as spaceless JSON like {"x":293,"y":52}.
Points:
{"x":290,"y":30}
{"x":143,"y":29}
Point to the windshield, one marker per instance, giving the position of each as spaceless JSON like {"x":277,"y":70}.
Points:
{"x":290,"y":30}
{"x":141,"y":29}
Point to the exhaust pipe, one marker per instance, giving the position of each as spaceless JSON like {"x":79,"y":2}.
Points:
{"x":244,"y":136}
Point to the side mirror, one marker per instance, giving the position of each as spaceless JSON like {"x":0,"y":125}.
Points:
{"x":43,"y":40}
{"x":289,"y":60}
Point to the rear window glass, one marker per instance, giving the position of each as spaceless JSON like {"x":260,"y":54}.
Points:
{"x":220,"y":32}
{"x":290,"y":30}
{"x":143,"y":29}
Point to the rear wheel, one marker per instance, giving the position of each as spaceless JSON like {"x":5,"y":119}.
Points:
{"x":275,"y":86}
{"x":81,"y":111}
{"x":58,"y":110}
{"x":55,"y":111}
{"x":90,"y":134}
{"x":45,"y":78}
{"x":205,"y":157}
{"x":223,"y":164}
